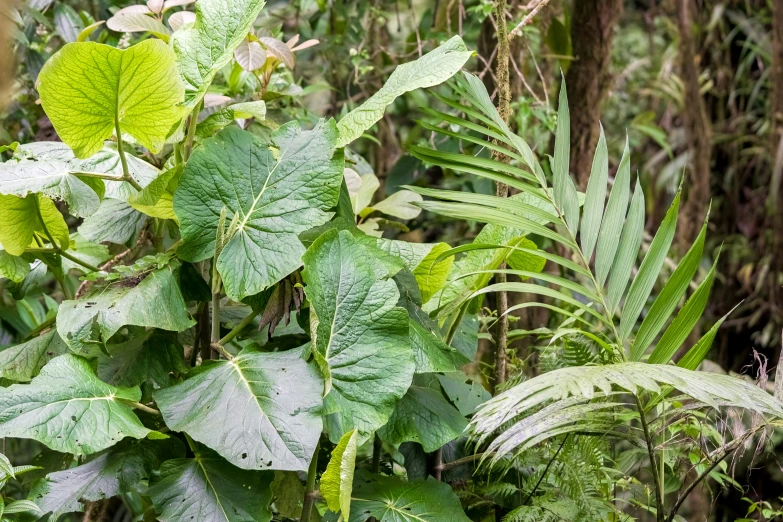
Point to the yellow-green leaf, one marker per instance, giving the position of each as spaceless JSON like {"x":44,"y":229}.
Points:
{"x":337,"y":480}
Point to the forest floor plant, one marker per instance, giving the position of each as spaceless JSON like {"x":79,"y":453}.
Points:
{"x":169,"y":374}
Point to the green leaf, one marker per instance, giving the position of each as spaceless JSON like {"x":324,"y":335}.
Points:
{"x":431,"y":69}
{"x":649,"y":269}
{"x":92,"y":253}
{"x":360,"y":337}
{"x":337,"y":480}
{"x":223,"y":117}
{"x":271,"y":192}
{"x":466,"y":394}
{"x":60,"y":158}
{"x":23,"y":361}
{"x":259,"y":411}
{"x":612,"y":224}
{"x":563,"y":185}
{"x":423,"y":416}
{"x":390,"y":499}
{"x":153,"y":356}
{"x":628,"y":249}
{"x":53,"y":179}
{"x":206,"y":488}
{"x":595,"y":197}
{"x":115,"y":471}
{"x":200,"y":55}
{"x":663,"y":306}
{"x":431,"y":274}
{"x":429,"y":351}
{"x":682,"y":325}
{"x":399,"y":205}
{"x":22,"y":218}
{"x":13,"y":267}
{"x":68,"y":409}
{"x":67,"y":22}
{"x":131,"y":22}
{"x":157,"y":198}
{"x":153,"y":302}
{"x":115,"y":221}
{"x":22,"y":506}
{"x":698,"y":351}
{"x":87,"y":89}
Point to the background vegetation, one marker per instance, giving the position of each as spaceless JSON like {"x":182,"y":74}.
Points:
{"x":690,"y":92}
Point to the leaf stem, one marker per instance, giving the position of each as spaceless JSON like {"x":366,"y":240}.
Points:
{"x":191,"y":131}
{"x":40,"y":328}
{"x":126,"y":176}
{"x":659,"y":510}
{"x":377,"y":446}
{"x":455,"y":325}
{"x":140,"y":406}
{"x":99,"y":175}
{"x":78,"y":261}
{"x":309,"y":496}
{"x":239,"y":327}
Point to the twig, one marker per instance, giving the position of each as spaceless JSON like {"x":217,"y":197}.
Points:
{"x":546,"y":470}
{"x":526,"y":20}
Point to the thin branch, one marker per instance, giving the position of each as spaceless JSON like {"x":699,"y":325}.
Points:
{"x":139,"y":406}
{"x":239,"y":327}
{"x":526,"y":20}
{"x":546,"y":470}
{"x":310,"y":493}
{"x":126,"y":176}
{"x":653,"y":463}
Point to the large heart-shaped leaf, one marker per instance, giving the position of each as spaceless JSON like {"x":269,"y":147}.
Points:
{"x":200,"y":52}
{"x":22,"y":219}
{"x":390,"y":499}
{"x":13,"y":267}
{"x":115,"y":471}
{"x":206,"y":488}
{"x":154,"y":356}
{"x":23,"y":361}
{"x":259,"y":411}
{"x":67,"y":408}
{"x":152,"y":300}
{"x":89,"y":89}
{"x":431,"y":69}
{"x":423,"y":415}
{"x":361,"y":337}
{"x":271,"y":193}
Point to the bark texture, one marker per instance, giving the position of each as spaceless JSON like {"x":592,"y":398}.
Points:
{"x":588,"y":79}
{"x":697,"y":128}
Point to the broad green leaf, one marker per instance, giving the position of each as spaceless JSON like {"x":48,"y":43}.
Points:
{"x":563,"y":185}
{"x":23,"y":361}
{"x":22,"y":219}
{"x":390,"y":499}
{"x":68,"y":409}
{"x":429,"y":351}
{"x":115,"y":221}
{"x":115,"y":471}
{"x":153,"y":302}
{"x":431,"y":274}
{"x":360,"y":338}
{"x":93,"y":253}
{"x":22,"y":506}
{"x":153,"y":356}
{"x":54,"y":180}
{"x":466,"y":394}
{"x":206,"y":488}
{"x":13,"y":267}
{"x":682,"y":325}
{"x":423,"y":416}
{"x":337,"y":480}
{"x":271,"y":194}
{"x":259,"y":411}
{"x":223,"y":117}
{"x":649,"y":269}
{"x":157,"y":198}
{"x":67,"y":22}
{"x":612,"y":224}
{"x":62,"y":161}
{"x":399,"y":205}
{"x":595,"y":197}
{"x":628,"y":249}
{"x":87,"y":89}
{"x":200,"y":54}
{"x":431,"y":69}
{"x":664,"y":305}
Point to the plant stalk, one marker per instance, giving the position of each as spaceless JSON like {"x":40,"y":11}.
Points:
{"x":238,"y":328}
{"x":191,"y":136}
{"x":126,"y":176}
{"x":377,"y":446}
{"x":659,"y":509}
{"x":309,"y":496}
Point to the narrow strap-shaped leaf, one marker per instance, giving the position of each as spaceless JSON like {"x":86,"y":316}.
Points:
{"x":540,"y":290}
{"x":698,"y":352}
{"x":491,"y":215}
{"x":475,"y":161}
{"x":462,"y":122}
{"x":667,"y":300}
{"x":628,"y":250}
{"x":549,"y":278}
{"x":469,"y":138}
{"x":563,"y":185}
{"x":514,"y":205}
{"x":454,"y":104}
{"x":595,"y":197}
{"x":612,"y":224}
{"x":553,"y":308}
{"x":648,"y":271}
{"x":683,"y":324}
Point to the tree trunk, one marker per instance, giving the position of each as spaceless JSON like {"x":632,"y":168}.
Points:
{"x":588,"y":79}
{"x":776,"y":148}
{"x":697,"y":186}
